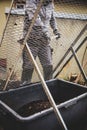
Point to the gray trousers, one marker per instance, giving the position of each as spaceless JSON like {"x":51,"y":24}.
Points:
{"x":39,"y":46}
{"x":42,"y":49}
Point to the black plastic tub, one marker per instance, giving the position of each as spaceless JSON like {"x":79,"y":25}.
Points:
{"x":71,"y":99}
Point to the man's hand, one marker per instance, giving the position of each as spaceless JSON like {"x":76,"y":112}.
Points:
{"x":21,"y":40}
{"x":57,"y":34}
{"x":46,"y":35}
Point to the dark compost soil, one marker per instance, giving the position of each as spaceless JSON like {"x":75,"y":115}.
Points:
{"x":33,"y":107}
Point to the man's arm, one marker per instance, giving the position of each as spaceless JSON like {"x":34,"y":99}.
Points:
{"x":53,"y":25}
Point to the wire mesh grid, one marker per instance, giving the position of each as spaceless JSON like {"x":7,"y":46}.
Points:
{"x":70,"y":17}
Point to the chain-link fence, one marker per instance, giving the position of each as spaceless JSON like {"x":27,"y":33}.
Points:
{"x":71,"y":21}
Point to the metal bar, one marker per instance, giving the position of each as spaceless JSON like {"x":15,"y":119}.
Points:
{"x":79,"y":65}
{"x":50,"y":98}
{"x":74,"y":42}
{"x":6,"y":23}
{"x":70,"y":57}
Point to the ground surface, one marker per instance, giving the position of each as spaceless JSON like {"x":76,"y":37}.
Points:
{"x":11,"y":85}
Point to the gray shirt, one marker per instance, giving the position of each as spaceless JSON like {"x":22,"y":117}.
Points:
{"x":45,"y":17}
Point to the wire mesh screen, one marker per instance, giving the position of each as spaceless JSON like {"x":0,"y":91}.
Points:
{"x":50,"y":45}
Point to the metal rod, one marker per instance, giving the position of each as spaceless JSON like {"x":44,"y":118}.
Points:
{"x":79,"y":65}
{"x":74,"y":42}
{"x":50,"y":98}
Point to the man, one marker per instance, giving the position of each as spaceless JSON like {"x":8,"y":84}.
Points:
{"x":39,"y":40}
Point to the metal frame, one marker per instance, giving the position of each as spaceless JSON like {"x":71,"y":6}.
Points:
{"x":71,"y":48}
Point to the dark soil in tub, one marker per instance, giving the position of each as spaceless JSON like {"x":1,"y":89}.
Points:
{"x":38,"y":106}
{"x":33,"y":107}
